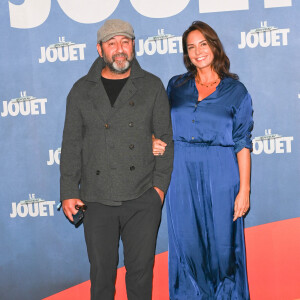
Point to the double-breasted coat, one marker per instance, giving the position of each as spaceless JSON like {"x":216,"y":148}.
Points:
{"x":106,"y":154}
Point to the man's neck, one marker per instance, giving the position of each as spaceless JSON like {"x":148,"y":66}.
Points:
{"x":108,"y":74}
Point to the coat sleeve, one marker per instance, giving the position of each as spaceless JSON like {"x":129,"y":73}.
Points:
{"x":70,"y":162}
{"x":162,"y":128}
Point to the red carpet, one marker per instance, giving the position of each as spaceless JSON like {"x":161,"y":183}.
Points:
{"x":160,"y":284}
{"x":273,"y":259}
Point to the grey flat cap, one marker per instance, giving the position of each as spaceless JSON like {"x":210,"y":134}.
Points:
{"x":112,"y":28}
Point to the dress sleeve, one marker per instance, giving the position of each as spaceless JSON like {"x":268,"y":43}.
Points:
{"x":243,"y":125}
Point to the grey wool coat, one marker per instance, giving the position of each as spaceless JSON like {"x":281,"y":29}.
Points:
{"x":106,"y":153}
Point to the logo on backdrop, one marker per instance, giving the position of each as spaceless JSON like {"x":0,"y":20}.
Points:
{"x":24,"y":105}
{"x":162,"y":43}
{"x":21,"y":14}
{"x":264,"y":36}
{"x":54,"y":156}
{"x":272,"y":143}
{"x":63,"y":51}
{"x":32,"y":207}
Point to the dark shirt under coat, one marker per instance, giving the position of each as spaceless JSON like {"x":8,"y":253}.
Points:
{"x":106,"y":154}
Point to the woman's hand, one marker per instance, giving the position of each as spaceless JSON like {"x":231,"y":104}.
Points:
{"x":158,"y":146}
{"x":241,"y":204}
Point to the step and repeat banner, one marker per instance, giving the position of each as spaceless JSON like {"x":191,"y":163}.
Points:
{"x":46,"y":45}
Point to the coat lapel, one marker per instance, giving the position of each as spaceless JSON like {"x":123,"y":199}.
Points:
{"x":97,"y":93}
{"x":99,"y":96}
{"x":126,"y":93}
{"x":129,"y":88}
{"x":100,"y":100}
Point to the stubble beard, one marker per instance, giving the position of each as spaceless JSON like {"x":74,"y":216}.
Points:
{"x":119,"y":67}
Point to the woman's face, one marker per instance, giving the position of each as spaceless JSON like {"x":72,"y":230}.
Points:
{"x":199,"y":51}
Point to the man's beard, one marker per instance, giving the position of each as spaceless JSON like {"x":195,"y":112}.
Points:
{"x":119,"y":67}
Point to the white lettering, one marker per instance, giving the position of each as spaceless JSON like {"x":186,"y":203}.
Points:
{"x":61,"y":56}
{"x":158,"y":8}
{"x":172,"y":45}
{"x":160,"y":46}
{"x":13,"y":213}
{"x":42,"y":209}
{"x":275,"y":38}
{"x":264,"y":39}
{"x":288,"y":141}
{"x":33,"y":13}
{"x":73,"y":53}
{"x":43,"y":105}
{"x":22,"y":210}
{"x":35,"y":212}
{"x":242,"y":44}
{"x":279,"y":145}
{"x":13,"y":108}
{"x":33,"y":107}
{"x":284,"y":33}
{"x":51,"y":54}
{"x":42,"y":59}
{"x":258,"y":147}
{"x":81,"y":48}
{"x":140,"y":52}
{"x":150,"y":47}
{"x":23,"y":111}
{"x":88,"y":11}
{"x":29,"y":14}
{"x":270,"y":146}
{"x":54,"y":156}
{"x":62,"y":53}
{"x":224,"y":5}
{"x":277,"y":3}
{"x":4,"y":113}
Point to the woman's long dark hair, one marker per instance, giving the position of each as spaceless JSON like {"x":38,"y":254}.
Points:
{"x":220,"y":63}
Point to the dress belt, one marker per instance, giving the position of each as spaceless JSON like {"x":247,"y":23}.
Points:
{"x":191,"y":144}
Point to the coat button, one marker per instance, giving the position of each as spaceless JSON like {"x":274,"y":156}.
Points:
{"x":132,"y":168}
{"x":97,"y":172}
{"x":106,"y":126}
{"x":131,"y":146}
{"x":131,"y":103}
{"x":130,"y":124}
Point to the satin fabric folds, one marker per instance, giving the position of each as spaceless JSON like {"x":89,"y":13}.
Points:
{"x":206,"y":248}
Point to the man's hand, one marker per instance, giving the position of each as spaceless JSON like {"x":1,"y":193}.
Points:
{"x":69,"y":209}
{"x":160,"y":193}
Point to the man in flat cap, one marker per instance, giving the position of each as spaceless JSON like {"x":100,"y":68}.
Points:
{"x":107,"y":162}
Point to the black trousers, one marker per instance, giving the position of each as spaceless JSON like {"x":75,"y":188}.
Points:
{"x":137,"y":222}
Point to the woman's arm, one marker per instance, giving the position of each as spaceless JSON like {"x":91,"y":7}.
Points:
{"x":242,"y":202}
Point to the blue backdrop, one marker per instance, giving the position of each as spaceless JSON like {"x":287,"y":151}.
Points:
{"x":47,"y":45}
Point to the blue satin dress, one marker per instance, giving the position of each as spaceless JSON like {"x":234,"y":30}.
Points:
{"x":206,"y":248}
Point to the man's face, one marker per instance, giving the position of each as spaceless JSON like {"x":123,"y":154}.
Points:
{"x":117,"y":53}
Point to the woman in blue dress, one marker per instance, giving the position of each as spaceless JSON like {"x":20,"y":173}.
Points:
{"x":209,"y":191}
